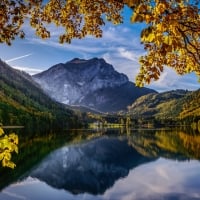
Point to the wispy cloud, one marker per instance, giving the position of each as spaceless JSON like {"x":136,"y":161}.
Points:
{"x":18,"y":58}
{"x":127,"y":54}
{"x":170,"y":80}
{"x":29,"y":70}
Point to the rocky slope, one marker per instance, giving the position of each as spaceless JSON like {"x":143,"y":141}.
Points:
{"x":91,"y":83}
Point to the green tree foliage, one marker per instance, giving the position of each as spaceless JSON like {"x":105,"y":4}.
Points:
{"x":171,"y":36}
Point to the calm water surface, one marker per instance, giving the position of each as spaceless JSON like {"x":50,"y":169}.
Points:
{"x":143,"y":164}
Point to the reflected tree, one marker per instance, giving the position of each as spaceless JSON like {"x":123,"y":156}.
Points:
{"x":171,"y":144}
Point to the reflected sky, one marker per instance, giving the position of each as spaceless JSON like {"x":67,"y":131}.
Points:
{"x":161,"y":179}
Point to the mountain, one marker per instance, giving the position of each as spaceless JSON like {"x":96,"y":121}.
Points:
{"x":90,"y":83}
{"x":22,"y":101}
{"x":167,"y":105}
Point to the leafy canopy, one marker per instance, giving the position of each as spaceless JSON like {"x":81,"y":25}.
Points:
{"x":8,"y":145}
{"x":171,"y":36}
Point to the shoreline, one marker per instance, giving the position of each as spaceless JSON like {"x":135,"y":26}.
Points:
{"x":9,"y":127}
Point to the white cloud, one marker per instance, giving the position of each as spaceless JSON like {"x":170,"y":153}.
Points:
{"x":122,"y":65}
{"x":113,"y":37}
{"x":170,"y":80}
{"x":18,"y":58}
{"x":29,"y":70}
{"x":127,"y":54}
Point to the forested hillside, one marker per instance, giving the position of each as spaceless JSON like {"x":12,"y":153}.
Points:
{"x":23,"y":102}
{"x":171,"y":105}
{"x":191,"y":105}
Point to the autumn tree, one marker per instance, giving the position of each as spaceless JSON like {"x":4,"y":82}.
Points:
{"x":8,"y":145}
{"x":171,"y":36}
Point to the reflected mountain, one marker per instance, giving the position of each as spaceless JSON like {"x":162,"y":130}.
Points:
{"x":91,"y":167}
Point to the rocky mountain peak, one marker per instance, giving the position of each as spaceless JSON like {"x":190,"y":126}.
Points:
{"x":76,"y":82}
{"x":77,"y":61}
{"x":95,"y":64}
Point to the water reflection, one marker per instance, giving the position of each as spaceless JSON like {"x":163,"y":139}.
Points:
{"x":92,"y":167}
{"x":162,"y":179}
{"x":171,"y":144}
{"x":141,"y":165}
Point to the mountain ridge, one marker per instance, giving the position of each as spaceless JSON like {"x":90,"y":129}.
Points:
{"x":93,"y":83}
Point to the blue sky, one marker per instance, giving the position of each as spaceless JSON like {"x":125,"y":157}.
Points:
{"x":119,"y":46}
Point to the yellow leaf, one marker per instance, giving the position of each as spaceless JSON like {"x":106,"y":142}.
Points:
{"x":148,"y":18}
{"x":160,"y":28}
{"x":1,"y":131}
{"x":150,"y":37}
{"x":161,"y":7}
{"x":167,"y":40}
{"x":1,"y":155}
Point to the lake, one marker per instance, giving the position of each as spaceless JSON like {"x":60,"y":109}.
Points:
{"x":105,"y":165}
